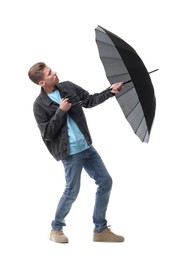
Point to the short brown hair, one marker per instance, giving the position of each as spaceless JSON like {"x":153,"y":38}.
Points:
{"x":35,"y":72}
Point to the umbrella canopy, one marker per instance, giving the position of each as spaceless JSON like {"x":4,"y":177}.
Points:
{"x":122,"y":64}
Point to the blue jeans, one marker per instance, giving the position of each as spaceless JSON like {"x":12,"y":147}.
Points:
{"x":92,"y":163}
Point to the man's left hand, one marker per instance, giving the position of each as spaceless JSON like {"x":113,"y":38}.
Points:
{"x":116,"y":87}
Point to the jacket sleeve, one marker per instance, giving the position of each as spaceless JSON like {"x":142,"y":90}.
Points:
{"x":49,"y":127}
{"x":91,"y":100}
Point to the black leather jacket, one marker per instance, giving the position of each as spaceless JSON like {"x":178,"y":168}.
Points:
{"x":52,"y":121}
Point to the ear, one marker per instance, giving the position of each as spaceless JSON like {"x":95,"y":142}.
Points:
{"x":41,"y":83}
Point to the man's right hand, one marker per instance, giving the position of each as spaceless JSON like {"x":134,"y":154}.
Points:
{"x":65,"y":105}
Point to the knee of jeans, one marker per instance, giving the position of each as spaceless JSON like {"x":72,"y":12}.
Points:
{"x":107,"y":183}
{"x":71,"y":194}
{"x":110,"y":182}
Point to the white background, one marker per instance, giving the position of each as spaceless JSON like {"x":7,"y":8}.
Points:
{"x":146,"y":200}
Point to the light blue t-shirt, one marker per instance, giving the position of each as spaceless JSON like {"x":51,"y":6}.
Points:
{"x":77,"y":141}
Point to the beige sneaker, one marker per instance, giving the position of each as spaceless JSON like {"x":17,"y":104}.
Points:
{"x":58,"y":236}
{"x":107,"y":235}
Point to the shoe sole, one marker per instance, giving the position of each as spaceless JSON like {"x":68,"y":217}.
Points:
{"x":109,"y":241}
{"x":59,"y":241}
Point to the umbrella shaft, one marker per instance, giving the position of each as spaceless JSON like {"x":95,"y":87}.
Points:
{"x":148,"y":72}
{"x":126,"y":82}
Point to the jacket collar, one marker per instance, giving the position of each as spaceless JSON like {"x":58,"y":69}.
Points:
{"x":45,"y":97}
{"x":48,"y":100}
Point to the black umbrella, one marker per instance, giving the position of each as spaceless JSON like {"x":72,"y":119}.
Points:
{"x":122,"y":64}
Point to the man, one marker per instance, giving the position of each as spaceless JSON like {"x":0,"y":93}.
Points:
{"x":63,"y":126}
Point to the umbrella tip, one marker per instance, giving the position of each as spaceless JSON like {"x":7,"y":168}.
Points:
{"x":99,"y":26}
{"x":153,"y":71}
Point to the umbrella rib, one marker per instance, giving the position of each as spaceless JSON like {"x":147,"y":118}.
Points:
{"x":109,"y":58}
{"x":132,"y":109}
{"x":140,"y":121}
{"x":139,"y":126}
{"x":119,"y":95}
{"x":145,"y":132}
{"x":114,"y":75}
{"x":145,"y":135}
{"x":105,"y":42}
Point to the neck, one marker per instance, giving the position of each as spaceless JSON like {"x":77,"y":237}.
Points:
{"x":49,"y":89}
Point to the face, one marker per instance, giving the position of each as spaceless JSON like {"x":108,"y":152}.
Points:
{"x":49,"y":80}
